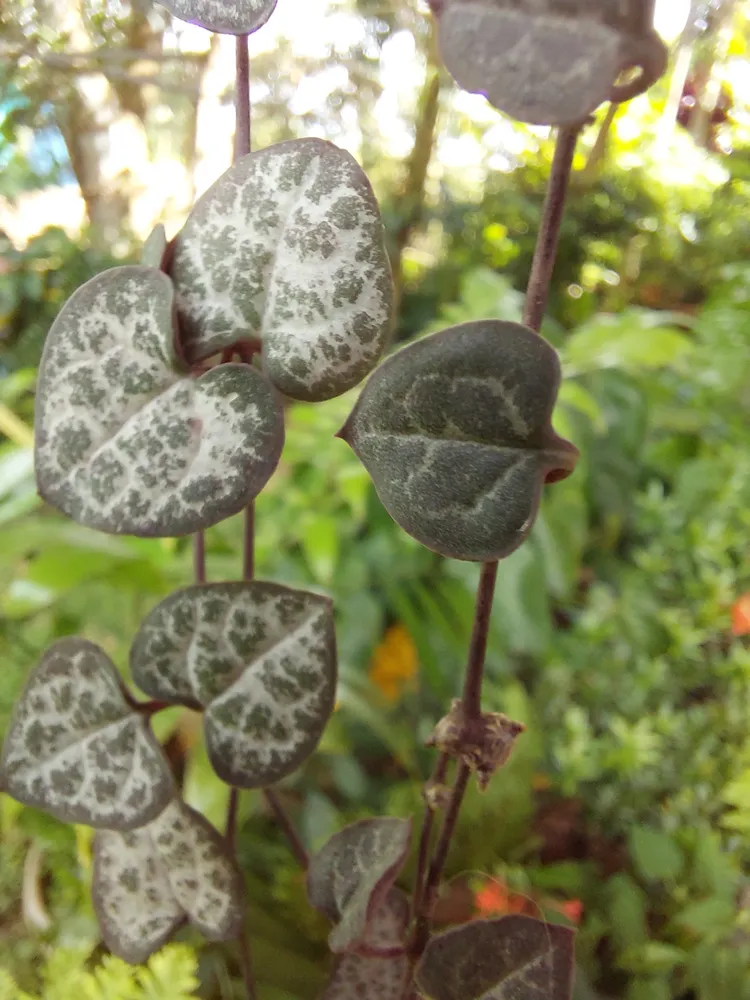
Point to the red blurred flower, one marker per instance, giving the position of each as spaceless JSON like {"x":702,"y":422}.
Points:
{"x":573,"y":910}
{"x":495,"y":899}
{"x":741,"y":615}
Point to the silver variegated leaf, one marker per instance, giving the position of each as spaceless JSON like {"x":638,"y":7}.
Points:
{"x":127,"y":443}
{"x":351,"y":876}
{"x":259,"y":658}
{"x":381,"y":970}
{"x":455,"y":431}
{"x":386,"y":931}
{"x":501,"y":959}
{"x":76,"y":749}
{"x":288,"y":247}
{"x":548,"y":62}
{"x":149,"y":881}
{"x":152,"y":254}
{"x":228,"y":17}
{"x":358,"y":978}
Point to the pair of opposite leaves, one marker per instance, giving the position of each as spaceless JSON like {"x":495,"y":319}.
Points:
{"x":287,"y":247}
{"x":259,"y":660}
{"x":351,"y":880}
{"x":550,"y":62}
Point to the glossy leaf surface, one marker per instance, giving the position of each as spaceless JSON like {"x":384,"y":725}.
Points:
{"x":502,"y":959}
{"x":455,"y":431}
{"x":353,"y":873}
{"x":149,"y":881}
{"x":127,"y":443}
{"x":548,"y":62}
{"x":229,"y":17}
{"x":259,"y":658}
{"x":76,"y":749}
{"x":288,"y":247}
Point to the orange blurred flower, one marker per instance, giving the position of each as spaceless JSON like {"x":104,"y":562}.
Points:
{"x":394,"y":663}
{"x":495,"y":899}
{"x":741,"y":615}
{"x":573,"y":910}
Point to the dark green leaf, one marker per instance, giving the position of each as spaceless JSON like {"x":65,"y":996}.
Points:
{"x":507,"y":959}
{"x":547,"y":62}
{"x":353,"y":873}
{"x":455,"y":431}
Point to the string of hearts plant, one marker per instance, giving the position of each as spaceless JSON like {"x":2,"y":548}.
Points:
{"x":159,"y":413}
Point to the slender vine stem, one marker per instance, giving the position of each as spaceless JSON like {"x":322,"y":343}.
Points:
{"x":199,"y":556}
{"x":246,"y":963}
{"x":472,"y":696}
{"x":423,"y":853}
{"x":545,"y":251}
{"x":537,"y":297}
{"x":282,"y":818}
{"x":242,"y":148}
{"x":231,"y":824}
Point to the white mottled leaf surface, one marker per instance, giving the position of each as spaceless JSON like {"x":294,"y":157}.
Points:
{"x":506,"y":959}
{"x":548,"y":62}
{"x":126,"y":442}
{"x":149,"y":881}
{"x":76,"y":749}
{"x":259,"y":658}
{"x":287,"y":246}
{"x":383,"y":972}
{"x":358,"y":978}
{"x":455,"y":431}
{"x":351,"y":876}
{"x":228,"y":17}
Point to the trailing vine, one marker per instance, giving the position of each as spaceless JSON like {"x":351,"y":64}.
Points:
{"x":160,"y":413}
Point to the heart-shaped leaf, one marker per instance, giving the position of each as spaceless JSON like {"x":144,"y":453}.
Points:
{"x":75,"y":747}
{"x":149,"y":881}
{"x":549,"y":62}
{"x":358,"y":978}
{"x":259,"y":658}
{"x":499,"y":960}
{"x":455,"y":431}
{"x":384,"y":973}
{"x":127,"y":444}
{"x":352,"y":874}
{"x":228,"y":17}
{"x":288,"y":247}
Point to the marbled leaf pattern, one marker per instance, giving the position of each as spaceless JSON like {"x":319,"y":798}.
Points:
{"x":149,"y":881}
{"x":76,"y":749}
{"x":503,"y":959}
{"x":548,"y":62}
{"x":384,"y":972}
{"x":228,"y":17}
{"x":287,"y":247}
{"x":353,"y":873}
{"x":127,"y":443}
{"x":259,"y":658}
{"x":455,"y":432}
